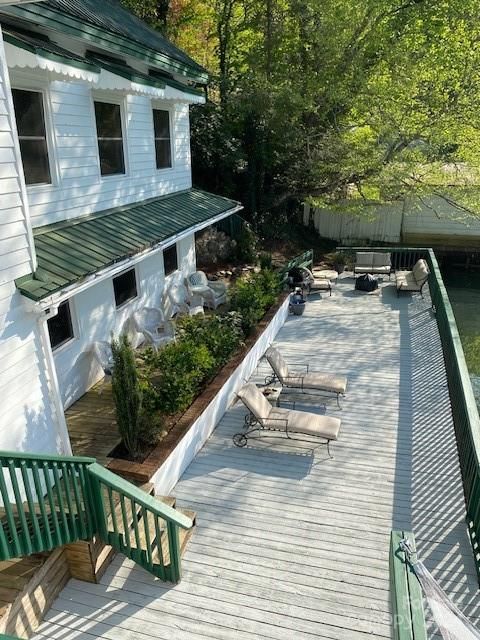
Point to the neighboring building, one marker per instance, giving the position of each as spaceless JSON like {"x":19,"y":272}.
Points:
{"x":97,"y":210}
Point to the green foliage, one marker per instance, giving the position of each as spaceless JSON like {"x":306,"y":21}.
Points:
{"x":265,"y":261}
{"x":127,"y":394}
{"x":252,"y":295}
{"x":178,"y":371}
{"x":221,"y":334}
{"x":319,"y":97}
{"x":247,"y":243}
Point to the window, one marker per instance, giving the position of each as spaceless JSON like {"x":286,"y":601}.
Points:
{"x":161,"y":126}
{"x":170,"y":259}
{"x":125,"y":287}
{"x":110,"y":140}
{"x":60,"y":327}
{"x":30,"y":117}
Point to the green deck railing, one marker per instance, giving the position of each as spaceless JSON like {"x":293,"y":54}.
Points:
{"x":408,"y":619}
{"x":303,"y":260}
{"x":464,"y":408}
{"x":49,"y":501}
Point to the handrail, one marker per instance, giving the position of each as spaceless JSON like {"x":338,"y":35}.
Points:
{"x":49,"y":501}
{"x":157,"y":547}
{"x":462,"y":399}
{"x":305,"y":259}
{"x":405,"y":592}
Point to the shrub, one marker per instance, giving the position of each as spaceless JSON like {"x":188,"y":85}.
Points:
{"x":177,"y":372}
{"x":127,"y":394}
{"x":247,"y":241}
{"x":221,"y":334}
{"x":252,"y":295}
{"x":265,"y":261}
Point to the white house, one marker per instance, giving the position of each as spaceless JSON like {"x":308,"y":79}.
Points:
{"x":97,"y":209}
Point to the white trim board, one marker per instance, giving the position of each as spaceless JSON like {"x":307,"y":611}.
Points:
{"x":118,"y":267}
{"x":167,"y":476}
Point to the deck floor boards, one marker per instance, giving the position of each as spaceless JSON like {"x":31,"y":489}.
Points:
{"x":293,"y":544}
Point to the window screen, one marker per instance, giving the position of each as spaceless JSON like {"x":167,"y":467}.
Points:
{"x":170,"y":259}
{"x":161,"y":125}
{"x":125,"y":287}
{"x":108,"y":118}
{"x":60,"y":327}
{"x":30,"y":117}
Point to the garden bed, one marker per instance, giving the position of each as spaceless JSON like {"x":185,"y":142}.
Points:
{"x":147,"y":469}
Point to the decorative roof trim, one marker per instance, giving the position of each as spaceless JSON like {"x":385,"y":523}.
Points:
{"x":22,"y":54}
{"x":48,"y":17}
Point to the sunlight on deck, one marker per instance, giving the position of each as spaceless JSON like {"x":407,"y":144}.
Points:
{"x":290,"y":543}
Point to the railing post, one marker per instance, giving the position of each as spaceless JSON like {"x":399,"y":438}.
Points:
{"x":175,"y":552}
{"x":97,"y":508}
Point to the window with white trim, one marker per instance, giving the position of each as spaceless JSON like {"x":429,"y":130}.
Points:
{"x":125,"y":287}
{"x":163,"y":147}
{"x":60,"y":326}
{"x":108,"y":118}
{"x":32,"y":135}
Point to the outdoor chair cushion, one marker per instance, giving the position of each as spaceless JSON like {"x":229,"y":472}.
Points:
{"x":304,"y":422}
{"x":363,"y":260}
{"x":278,"y":418}
{"x":255,"y":402}
{"x":323,"y":381}
{"x":277,"y":362}
{"x":420,"y":271}
{"x":382,"y":260}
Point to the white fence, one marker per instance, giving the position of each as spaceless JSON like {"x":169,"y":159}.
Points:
{"x":412,"y":220}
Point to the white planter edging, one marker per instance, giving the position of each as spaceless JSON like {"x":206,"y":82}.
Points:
{"x":167,"y":476}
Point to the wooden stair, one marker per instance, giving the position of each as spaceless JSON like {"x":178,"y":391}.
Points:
{"x":29,"y":585}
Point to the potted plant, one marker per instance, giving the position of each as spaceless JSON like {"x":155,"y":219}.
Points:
{"x":339,"y":260}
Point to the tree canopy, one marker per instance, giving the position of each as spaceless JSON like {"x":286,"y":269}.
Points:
{"x":324,"y":98}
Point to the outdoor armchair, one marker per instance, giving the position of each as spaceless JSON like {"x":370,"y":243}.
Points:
{"x":181,"y":303}
{"x":213,"y":293}
{"x":374,"y":262}
{"x":305,"y":380}
{"x":151,"y":322}
{"x":413,"y":280}
{"x":314,"y":283}
{"x":263,"y":417}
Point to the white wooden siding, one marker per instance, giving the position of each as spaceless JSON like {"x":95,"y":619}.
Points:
{"x":79,"y":189}
{"x":27,"y":423}
{"x":95,"y":318}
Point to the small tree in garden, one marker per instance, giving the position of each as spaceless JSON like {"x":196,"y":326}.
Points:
{"x":127,"y":394}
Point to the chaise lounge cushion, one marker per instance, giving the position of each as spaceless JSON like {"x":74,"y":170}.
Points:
{"x":304,"y":422}
{"x":317,"y":380}
{"x":255,"y":402}
{"x":277,"y":362}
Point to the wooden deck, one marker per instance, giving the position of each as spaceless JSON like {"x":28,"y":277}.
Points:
{"x":290,"y":543}
{"x":92,"y":425}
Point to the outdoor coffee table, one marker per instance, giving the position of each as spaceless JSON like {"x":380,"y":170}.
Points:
{"x":272,"y":394}
{"x":325,"y":274}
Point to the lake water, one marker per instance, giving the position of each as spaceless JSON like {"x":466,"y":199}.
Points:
{"x":463,"y":289}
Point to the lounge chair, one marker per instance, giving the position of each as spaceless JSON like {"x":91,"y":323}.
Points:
{"x":374,"y":262}
{"x":315,"y":283}
{"x":413,"y":280}
{"x":213,"y":293}
{"x":102,"y":352}
{"x":181,"y":303}
{"x":263,"y":417}
{"x":152,"y":324}
{"x":306,"y":381}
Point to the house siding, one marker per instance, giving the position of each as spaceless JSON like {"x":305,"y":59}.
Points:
{"x":78,"y":188}
{"x":95,"y":318}
{"x":27,"y":420}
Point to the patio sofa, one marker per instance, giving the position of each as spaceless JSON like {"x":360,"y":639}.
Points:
{"x":413,"y":280}
{"x":373,"y":262}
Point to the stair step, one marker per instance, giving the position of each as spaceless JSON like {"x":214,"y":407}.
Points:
{"x":148,"y":488}
{"x":170,"y":501}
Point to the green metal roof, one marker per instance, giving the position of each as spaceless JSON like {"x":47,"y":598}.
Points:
{"x":71,"y":250}
{"x":111,"y":28}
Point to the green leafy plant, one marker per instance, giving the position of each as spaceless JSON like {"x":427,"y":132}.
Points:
{"x":127,"y":394}
{"x":252,"y":295}
{"x":177,"y":372}
{"x":221,"y":334}
{"x":247,"y":245}
{"x":265,"y":261}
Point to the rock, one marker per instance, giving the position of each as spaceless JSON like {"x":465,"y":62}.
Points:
{"x":229,"y":273}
